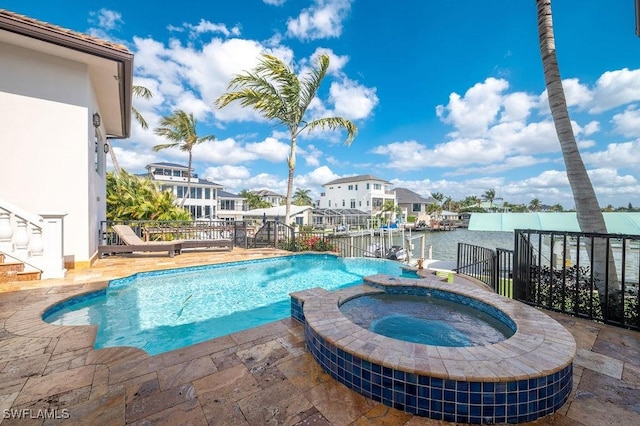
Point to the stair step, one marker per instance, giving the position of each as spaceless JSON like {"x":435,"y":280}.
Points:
{"x":9,"y":276}
{"x":12,"y":266}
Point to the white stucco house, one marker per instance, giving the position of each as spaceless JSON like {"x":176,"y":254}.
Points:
{"x":63,"y":94}
{"x":363,"y":192}
{"x":202,"y":200}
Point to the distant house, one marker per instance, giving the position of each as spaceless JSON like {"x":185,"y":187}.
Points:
{"x":300,"y":215}
{"x":413,"y":204}
{"x":270,"y":197}
{"x":364,"y":192}
{"x":202,"y":200}
{"x":231,"y":207}
{"x":63,"y":94}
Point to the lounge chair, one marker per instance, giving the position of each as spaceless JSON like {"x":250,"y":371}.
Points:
{"x":133,"y":243}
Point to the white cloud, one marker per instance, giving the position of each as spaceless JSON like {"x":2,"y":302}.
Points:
{"x":275,"y":2}
{"x":627,"y":123}
{"x":205,"y":26}
{"x":621,"y":155}
{"x":615,"y":88}
{"x":322,"y":20}
{"x":106,"y":19}
{"x":352,"y":100}
{"x":472,"y":114}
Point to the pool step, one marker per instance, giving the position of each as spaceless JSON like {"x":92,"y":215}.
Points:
{"x":15,"y":271}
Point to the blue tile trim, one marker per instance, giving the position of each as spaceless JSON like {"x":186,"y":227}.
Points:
{"x":441,"y":399}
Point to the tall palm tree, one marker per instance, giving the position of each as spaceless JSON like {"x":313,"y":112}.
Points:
{"x":277,"y":93}
{"x":302,"y":197}
{"x":589,"y":215}
{"x":180,"y":129}
{"x":489,"y":195}
{"x":534,"y":205}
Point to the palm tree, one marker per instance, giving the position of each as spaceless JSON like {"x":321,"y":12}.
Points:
{"x":490,"y":196}
{"x":388,"y":209}
{"x":140,"y":92}
{"x":132,"y":198}
{"x":180,"y":128}
{"x":589,"y":215}
{"x":302,"y":197}
{"x":254,"y":201}
{"x":277,"y":93}
{"x":534,"y":205}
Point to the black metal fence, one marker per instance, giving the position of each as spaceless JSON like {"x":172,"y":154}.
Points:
{"x":588,"y":275}
{"x":592,"y":276}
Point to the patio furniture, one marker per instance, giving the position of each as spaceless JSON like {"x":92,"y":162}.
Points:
{"x":133,"y":243}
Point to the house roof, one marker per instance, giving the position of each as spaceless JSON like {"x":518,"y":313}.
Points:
{"x":110,"y":65}
{"x":161,"y":164}
{"x":225,"y":194}
{"x":406,"y":196}
{"x":266,"y":193}
{"x":617,"y":222}
{"x":358,"y":178}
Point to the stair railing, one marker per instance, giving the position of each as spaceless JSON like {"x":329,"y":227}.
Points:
{"x":35,"y":240}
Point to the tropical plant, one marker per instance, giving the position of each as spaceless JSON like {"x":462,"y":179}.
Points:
{"x":133,"y":198}
{"x":180,"y":129}
{"x":588,"y":213}
{"x":489,"y":195}
{"x":254,"y":201}
{"x":389,"y":208}
{"x":535,"y":205}
{"x":302,"y":197}
{"x":278,"y":94}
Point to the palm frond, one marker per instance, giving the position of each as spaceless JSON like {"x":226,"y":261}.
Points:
{"x":333,"y":123}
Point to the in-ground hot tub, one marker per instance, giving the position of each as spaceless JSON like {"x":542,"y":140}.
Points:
{"x":521,"y":378}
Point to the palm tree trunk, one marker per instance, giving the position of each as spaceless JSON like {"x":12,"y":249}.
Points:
{"x":589,"y":215}
{"x":114,"y":160}
{"x":291,"y":162}
{"x":185,"y":196}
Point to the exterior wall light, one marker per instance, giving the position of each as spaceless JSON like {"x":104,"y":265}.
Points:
{"x":96,"y":120}
{"x":106,"y":148}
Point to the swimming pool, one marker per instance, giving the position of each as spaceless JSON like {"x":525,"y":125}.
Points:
{"x":165,"y":310}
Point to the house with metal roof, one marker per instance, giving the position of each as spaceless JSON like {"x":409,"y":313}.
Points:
{"x":63,"y":95}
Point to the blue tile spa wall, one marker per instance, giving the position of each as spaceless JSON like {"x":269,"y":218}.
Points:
{"x":444,"y":399}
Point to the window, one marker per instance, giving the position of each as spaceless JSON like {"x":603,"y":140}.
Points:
{"x":356,"y":187}
{"x":181,"y":191}
{"x":227,"y":205}
{"x":329,"y":203}
{"x":350,"y":187}
{"x":377,"y":186}
{"x":416,"y":207}
{"x":299,"y":220}
{"x":207,"y":193}
{"x":367,"y":186}
{"x":207,"y":212}
{"x":343,"y":203}
{"x":353,"y":203}
{"x":176,"y":173}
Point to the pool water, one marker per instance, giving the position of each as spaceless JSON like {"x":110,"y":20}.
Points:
{"x":425,"y":319}
{"x":165,"y":310}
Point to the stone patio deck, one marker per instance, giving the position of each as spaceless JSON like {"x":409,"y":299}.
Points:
{"x":260,"y":376}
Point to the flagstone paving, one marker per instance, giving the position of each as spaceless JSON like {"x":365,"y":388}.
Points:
{"x":53,"y":375}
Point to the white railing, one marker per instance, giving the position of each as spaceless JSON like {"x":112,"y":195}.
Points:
{"x":35,"y":240}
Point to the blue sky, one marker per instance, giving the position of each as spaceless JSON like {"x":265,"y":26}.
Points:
{"x":448,"y":96}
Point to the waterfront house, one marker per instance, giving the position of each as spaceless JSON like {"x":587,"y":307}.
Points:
{"x":413,"y":205}
{"x":63,"y":94}
{"x":364,"y":192}
{"x":202,"y":200}
{"x":270,"y":197}
{"x":231,"y":207}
